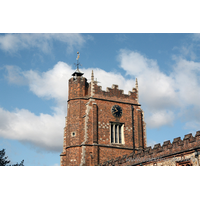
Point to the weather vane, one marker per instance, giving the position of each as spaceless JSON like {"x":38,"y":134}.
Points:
{"x":78,"y":63}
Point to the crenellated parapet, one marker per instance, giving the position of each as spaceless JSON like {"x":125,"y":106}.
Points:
{"x":158,"y":152}
{"x":112,"y":93}
{"x":115,"y":93}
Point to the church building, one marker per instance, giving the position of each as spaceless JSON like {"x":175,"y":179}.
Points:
{"x":101,"y":125}
{"x":108,"y":128}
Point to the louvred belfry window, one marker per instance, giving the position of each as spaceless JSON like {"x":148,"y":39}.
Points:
{"x":117,"y":133}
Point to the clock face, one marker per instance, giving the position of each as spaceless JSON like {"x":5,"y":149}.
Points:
{"x":116,"y":111}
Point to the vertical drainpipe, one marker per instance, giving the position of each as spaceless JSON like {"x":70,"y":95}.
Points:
{"x":132,"y":111}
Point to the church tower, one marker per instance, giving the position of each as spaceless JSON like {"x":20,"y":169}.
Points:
{"x":100,"y":125}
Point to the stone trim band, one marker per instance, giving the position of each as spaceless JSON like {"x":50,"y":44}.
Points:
{"x":100,"y":145}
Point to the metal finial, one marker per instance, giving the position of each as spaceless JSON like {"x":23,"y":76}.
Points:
{"x":77,"y":72}
{"x":78,"y":55}
{"x":78,"y":63}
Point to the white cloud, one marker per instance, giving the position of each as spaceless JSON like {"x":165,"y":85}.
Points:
{"x":44,"y":131}
{"x":160,"y":118}
{"x":52,"y":84}
{"x":163,"y":95}
{"x":42,"y":41}
{"x":156,"y":88}
{"x":187,"y":78}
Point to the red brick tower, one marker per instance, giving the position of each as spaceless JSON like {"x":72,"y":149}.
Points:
{"x":100,"y":125}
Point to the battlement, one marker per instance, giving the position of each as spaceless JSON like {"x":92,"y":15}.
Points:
{"x":114,"y":92}
{"x":168,"y":149}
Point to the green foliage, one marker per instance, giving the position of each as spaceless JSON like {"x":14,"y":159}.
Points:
{"x":5,"y":162}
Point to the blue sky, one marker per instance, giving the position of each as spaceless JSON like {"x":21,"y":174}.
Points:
{"x":34,"y":73}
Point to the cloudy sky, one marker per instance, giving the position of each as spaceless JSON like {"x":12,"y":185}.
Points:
{"x":34,"y":73}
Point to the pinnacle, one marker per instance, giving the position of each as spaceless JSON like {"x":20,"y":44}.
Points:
{"x":136,"y":84}
{"x":92,"y":76}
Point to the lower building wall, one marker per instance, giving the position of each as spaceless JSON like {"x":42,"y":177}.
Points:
{"x":106,"y":153}
{"x":91,"y":155}
{"x":177,"y":160}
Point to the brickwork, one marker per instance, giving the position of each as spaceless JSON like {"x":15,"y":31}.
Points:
{"x":112,"y":153}
{"x":78,"y":87}
{"x":178,"y":153}
{"x":87,"y":133}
